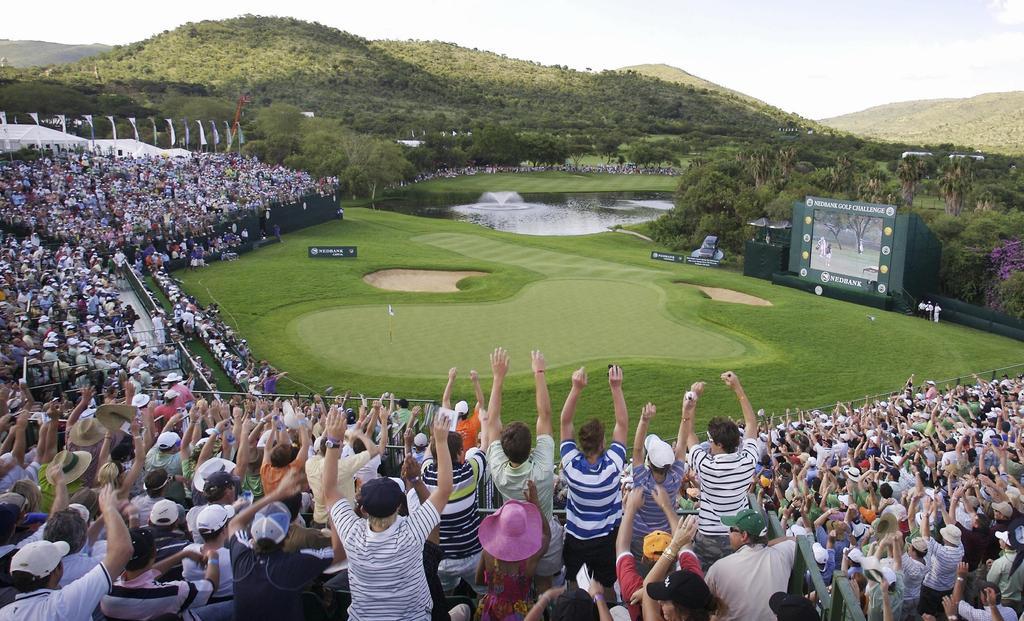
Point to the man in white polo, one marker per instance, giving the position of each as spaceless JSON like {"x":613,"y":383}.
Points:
{"x":37,"y":568}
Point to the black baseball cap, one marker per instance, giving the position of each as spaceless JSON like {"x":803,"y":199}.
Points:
{"x":793,"y":607}
{"x":217,"y":483}
{"x":682,"y":587}
{"x":143,"y":543}
{"x":381,"y":497}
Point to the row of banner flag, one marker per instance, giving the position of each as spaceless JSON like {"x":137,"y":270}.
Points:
{"x":230,"y":134}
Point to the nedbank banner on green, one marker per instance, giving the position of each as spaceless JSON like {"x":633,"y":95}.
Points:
{"x":332,"y":252}
{"x":668,"y":256}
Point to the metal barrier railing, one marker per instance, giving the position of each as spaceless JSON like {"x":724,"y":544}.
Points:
{"x":837,"y":604}
{"x":186,"y":361}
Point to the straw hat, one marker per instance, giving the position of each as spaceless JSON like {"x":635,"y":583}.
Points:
{"x":86,"y":432}
{"x":74,"y":464}
{"x":885,"y":525}
{"x":513,"y":532}
{"x":113,"y":417}
{"x":951,"y":534}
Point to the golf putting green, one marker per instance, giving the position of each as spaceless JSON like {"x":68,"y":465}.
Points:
{"x":573,"y":320}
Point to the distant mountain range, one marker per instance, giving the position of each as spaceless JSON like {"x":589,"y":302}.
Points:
{"x":40,"y":53}
{"x":992,"y":122}
{"x":386,"y":87}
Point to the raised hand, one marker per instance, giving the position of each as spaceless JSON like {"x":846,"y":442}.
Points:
{"x":635,"y":499}
{"x":731,"y":380}
{"x":615,"y":376}
{"x":499,"y":362}
{"x":440,"y":428}
{"x":686,"y":531}
{"x":537,"y":361}
{"x":647,"y":414}
{"x":336,"y":426}
{"x":660,"y":496}
{"x":698,"y":389}
{"x":530,"y":493}
{"x":473,"y":375}
{"x":452,"y":372}
{"x":579,"y":378}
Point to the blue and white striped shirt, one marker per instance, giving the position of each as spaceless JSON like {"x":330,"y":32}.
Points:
{"x":594,"y":505}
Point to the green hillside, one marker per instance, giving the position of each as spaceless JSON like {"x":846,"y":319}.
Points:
{"x":390,"y":87}
{"x":989,"y":122}
{"x":39,"y":53}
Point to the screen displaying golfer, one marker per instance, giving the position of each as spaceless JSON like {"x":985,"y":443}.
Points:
{"x":846,"y":244}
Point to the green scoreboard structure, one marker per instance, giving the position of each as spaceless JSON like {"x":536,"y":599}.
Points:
{"x":861,"y":252}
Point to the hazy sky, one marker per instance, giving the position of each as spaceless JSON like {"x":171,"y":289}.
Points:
{"x":815,"y":57}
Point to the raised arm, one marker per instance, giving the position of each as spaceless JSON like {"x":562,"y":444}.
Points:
{"x":446,"y":397}
{"x":499,"y":368}
{"x":579,"y":382}
{"x":304,"y":443}
{"x":749,"y":418}
{"x":334,"y":435}
{"x":443,"y":459}
{"x":540,"y":383}
{"x":646,"y":415}
{"x":621,"y":431}
{"x":119,"y":542}
{"x":478,"y":391}
{"x":687,"y":435}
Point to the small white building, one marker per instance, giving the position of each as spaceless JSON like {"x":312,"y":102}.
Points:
{"x":16,"y":136}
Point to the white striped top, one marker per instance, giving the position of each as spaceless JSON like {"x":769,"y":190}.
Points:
{"x":594,"y":505}
{"x":941,"y":562}
{"x":724,"y":480}
{"x":385,"y":570}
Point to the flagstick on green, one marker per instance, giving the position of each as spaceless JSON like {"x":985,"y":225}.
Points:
{"x":391,"y":333}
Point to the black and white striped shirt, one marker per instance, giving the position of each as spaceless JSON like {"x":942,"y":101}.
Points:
{"x":385,"y":570}
{"x":724,"y":480}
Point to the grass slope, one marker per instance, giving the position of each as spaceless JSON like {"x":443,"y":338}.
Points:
{"x":669,"y":73}
{"x":803,"y":351}
{"x":993,"y":121}
{"x":39,"y":53}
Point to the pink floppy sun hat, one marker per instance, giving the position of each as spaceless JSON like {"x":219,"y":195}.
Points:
{"x":513,"y":532}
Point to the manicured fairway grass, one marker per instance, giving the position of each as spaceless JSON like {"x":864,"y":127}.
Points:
{"x":587,"y":301}
{"x":549,"y":182}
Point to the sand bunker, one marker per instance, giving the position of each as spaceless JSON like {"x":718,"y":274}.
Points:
{"x":425,"y":281}
{"x":728,"y":295}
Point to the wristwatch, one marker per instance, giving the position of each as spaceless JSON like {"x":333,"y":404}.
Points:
{"x":331,"y":444}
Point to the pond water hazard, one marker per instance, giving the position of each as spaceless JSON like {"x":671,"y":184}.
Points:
{"x":539,"y":214}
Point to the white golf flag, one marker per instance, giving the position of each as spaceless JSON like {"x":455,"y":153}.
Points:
{"x":3,"y":118}
{"x":170,"y":126}
{"x":391,"y":311}
{"x":113,"y":127}
{"x":63,"y":123}
{"x":35,"y":117}
{"x":135,"y":128}
{"x":202,"y":133}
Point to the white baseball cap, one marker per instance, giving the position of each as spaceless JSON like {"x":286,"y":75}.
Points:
{"x":40,"y":558}
{"x":461,"y":407}
{"x":167,"y":440}
{"x":164,"y":513}
{"x":420,"y":440}
{"x":171,"y":395}
{"x":213,"y":517}
{"x":820,"y":553}
{"x":659,"y":452}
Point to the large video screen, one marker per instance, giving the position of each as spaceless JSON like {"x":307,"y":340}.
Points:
{"x":846,"y":243}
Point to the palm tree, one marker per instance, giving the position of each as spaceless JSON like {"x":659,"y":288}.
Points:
{"x":955,"y":185}
{"x":872,"y":188}
{"x":786,"y":160}
{"x":760,"y":164}
{"x":910,"y":171}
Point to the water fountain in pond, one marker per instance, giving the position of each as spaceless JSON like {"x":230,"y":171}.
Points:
{"x":500,"y":201}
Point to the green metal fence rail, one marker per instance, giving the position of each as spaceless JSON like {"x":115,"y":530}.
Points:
{"x":839,"y":604}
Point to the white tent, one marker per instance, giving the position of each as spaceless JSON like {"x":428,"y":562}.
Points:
{"x":14,"y":137}
{"x":129,"y":147}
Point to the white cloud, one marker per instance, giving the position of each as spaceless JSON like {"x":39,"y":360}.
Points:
{"x":1008,"y":11}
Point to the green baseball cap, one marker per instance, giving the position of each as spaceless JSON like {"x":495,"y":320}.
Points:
{"x":749,"y":521}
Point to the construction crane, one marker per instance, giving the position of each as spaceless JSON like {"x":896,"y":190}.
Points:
{"x":242,"y":100}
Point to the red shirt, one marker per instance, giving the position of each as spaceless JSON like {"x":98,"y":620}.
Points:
{"x":630,"y":580}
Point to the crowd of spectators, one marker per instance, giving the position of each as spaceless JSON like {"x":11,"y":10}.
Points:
{"x":163,"y":205}
{"x":143,"y":507}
